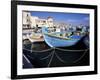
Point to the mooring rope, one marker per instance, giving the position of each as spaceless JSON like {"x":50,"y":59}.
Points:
{"x":38,"y":51}
{"x":46,"y":56}
{"x":52,"y":53}
{"x":81,"y":56}
{"x":70,"y":50}
{"x":59,"y":58}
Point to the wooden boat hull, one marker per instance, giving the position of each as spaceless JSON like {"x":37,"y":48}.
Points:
{"x":55,"y":41}
{"x":58,"y":42}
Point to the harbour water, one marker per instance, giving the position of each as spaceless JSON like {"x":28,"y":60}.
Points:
{"x":41,"y":55}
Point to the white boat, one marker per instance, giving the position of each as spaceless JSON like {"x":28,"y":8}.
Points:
{"x":35,"y":38}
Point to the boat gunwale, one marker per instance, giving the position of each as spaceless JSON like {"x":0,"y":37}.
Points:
{"x":59,"y":37}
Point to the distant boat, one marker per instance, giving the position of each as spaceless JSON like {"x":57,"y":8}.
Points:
{"x":86,"y":41}
{"x":57,"y":41}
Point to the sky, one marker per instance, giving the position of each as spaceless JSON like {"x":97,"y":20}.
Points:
{"x":71,"y":18}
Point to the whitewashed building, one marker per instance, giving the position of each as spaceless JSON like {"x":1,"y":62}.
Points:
{"x":26,"y":19}
{"x":34,"y":21}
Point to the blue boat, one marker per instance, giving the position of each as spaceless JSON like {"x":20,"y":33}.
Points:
{"x":57,"y":41}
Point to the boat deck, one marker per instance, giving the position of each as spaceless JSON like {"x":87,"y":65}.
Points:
{"x":36,"y":39}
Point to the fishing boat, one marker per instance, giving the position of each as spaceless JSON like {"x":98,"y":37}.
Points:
{"x":55,"y":39}
{"x":35,"y":37}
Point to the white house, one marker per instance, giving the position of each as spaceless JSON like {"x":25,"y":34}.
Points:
{"x":34,"y":21}
{"x":26,"y":19}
